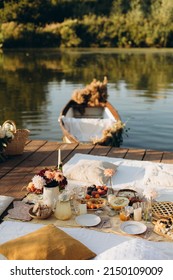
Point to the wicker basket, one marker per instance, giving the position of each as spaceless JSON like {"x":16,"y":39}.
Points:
{"x":16,"y":146}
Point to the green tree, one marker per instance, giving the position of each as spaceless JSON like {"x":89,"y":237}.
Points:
{"x":24,"y":11}
{"x":120,"y":6}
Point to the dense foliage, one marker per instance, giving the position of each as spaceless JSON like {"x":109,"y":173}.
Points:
{"x":86,"y":23}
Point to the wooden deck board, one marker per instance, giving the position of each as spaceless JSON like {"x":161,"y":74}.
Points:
{"x":100,"y":150}
{"x":167,"y":157}
{"x":135,"y":154}
{"x":12,"y":162}
{"x":154,"y":156}
{"x":117,"y":152}
{"x":17,"y":171}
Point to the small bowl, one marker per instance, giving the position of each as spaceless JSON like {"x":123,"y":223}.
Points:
{"x":119,"y":202}
{"x":41,"y":217}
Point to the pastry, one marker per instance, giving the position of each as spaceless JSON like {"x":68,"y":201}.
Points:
{"x":164,"y":227}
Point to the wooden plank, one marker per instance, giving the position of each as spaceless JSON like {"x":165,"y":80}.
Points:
{"x":81,"y":149}
{"x":153,"y":156}
{"x":117,"y":152}
{"x":167,"y":157}
{"x":99,"y":150}
{"x":13,"y":161}
{"x":135,"y":154}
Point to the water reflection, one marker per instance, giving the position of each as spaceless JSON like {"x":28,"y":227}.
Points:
{"x":36,"y":84}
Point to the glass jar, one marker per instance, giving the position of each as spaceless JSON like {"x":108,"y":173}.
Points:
{"x":63,"y":210}
{"x":124,"y":214}
{"x":147,"y":212}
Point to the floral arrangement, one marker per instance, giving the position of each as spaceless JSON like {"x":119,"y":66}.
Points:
{"x":6,"y":135}
{"x":47,"y":177}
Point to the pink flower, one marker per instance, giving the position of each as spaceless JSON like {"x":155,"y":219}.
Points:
{"x":58,"y":176}
{"x":49,"y":174}
{"x":109,"y":172}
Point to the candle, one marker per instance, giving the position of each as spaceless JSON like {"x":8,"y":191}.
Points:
{"x":137,"y":214}
{"x":59,"y":158}
{"x":82,"y":209}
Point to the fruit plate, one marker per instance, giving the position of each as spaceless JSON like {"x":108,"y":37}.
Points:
{"x":97,"y":191}
{"x":133,"y":227}
{"x":94,"y":203}
{"x":88,"y":220}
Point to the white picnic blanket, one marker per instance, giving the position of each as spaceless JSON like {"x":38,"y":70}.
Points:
{"x":133,"y":174}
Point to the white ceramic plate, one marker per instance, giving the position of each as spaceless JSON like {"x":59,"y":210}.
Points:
{"x":88,"y":220}
{"x":133,"y":227}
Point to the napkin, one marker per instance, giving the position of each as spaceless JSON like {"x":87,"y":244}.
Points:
{"x":20,"y":211}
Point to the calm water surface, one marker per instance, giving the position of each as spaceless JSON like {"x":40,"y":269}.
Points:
{"x":36,"y":84}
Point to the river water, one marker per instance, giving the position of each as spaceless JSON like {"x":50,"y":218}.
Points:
{"x":35,"y":84}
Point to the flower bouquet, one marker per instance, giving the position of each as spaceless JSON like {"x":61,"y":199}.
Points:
{"x":49,"y":178}
{"x":6,"y":136}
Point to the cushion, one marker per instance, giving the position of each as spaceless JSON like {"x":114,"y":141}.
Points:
{"x":47,"y":243}
{"x":134,"y":249}
{"x":90,"y":171}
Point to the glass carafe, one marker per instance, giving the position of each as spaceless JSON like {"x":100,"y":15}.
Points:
{"x":63,"y":210}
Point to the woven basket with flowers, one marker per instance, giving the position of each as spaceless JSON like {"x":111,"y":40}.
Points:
{"x":18,"y":141}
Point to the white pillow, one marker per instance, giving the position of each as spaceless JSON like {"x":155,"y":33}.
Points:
{"x":90,"y":171}
{"x":135,"y":249}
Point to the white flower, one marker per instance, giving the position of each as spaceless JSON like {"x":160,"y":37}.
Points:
{"x":8,"y":126}
{"x":150,"y":193}
{"x":39,"y":182}
{"x":2,"y":133}
{"x":9,"y":134}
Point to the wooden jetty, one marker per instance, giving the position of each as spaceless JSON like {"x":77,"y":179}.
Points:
{"x":17,"y":171}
